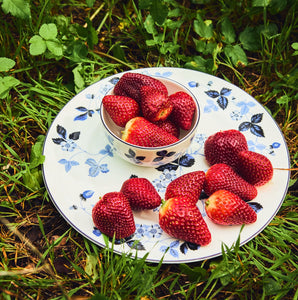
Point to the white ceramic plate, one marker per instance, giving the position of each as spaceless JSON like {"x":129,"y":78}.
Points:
{"x":80,"y":167}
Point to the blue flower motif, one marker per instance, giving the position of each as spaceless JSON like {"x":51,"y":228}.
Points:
{"x":245,"y":106}
{"x":68,"y":145}
{"x":164,"y":179}
{"x":171,"y":248}
{"x":150,"y":231}
{"x":68,"y":164}
{"x":96,"y":168}
{"x":236,"y":115}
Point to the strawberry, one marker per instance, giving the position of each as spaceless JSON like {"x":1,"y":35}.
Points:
{"x":130,"y":85}
{"x":120,"y":108}
{"x":189,"y":185}
{"x":169,"y":126}
{"x":141,"y":132}
{"x":112,"y":215}
{"x":226,"y":208}
{"x":223,"y":146}
{"x":254,"y":167}
{"x":183,"y":109}
{"x":140,"y":193}
{"x":223,"y":177}
{"x":155,"y":105}
{"x":183,"y":220}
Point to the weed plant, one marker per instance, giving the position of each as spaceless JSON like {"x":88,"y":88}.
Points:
{"x":50,"y":50}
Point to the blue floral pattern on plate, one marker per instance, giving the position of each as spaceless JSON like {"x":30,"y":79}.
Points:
{"x":81,"y":165}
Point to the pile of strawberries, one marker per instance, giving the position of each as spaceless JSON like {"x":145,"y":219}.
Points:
{"x":231,"y":181}
{"x":151,"y":117}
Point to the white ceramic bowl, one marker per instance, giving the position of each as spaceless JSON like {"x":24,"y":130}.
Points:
{"x":151,"y":156}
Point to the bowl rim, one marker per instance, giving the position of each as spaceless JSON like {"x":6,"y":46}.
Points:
{"x":194,"y":128}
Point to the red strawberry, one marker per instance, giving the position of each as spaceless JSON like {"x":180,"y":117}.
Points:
{"x":130,"y":85}
{"x":183,"y":109}
{"x":121,"y":109}
{"x":141,"y":132}
{"x":155,"y":105}
{"x":226,"y":208}
{"x":223,"y":177}
{"x":183,"y":220}
{"x":189,"y":185}
{"x":169,"y":126}
{"x":140,"y":193}
{"x":223,"y":146}
{"x":254,"y":167}
{"x":112,"y":215}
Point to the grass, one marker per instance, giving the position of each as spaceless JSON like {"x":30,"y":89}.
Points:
{"x":249,"y":43}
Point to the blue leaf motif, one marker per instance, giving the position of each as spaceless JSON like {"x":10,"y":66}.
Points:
{"x":107,"y":150}
{"x":245,"y":106}
{"x":225,"y":92}
{"x":212,"y":94}
{"x":68,"y":164}
{"x":174,"y":244}
{"x":222,"y":102}
{"x":61,"y":131}
{"x":81,"y":108}
{"x":257,"y":130}
{"x":174,"y":252}
{"x":81,"y":117}
{"x":91,"y":162}
{"x":244,"y":126}
{"x":75,"y":135}
{"x":257,"y":118}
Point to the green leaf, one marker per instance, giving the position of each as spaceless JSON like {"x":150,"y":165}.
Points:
{"x":18,"y":8}
{"x":48,"y":31}
{"x":228,"y":31}
{"x":158,"y":11}
{"x":91,"y":266}
{"x":78,"y":78}
{"x":32,"y":179}
{"x":6,"y":64}
{"x":250,"y":39}
{"x":237,"y":55}
{"x":194,"y":274}
{"x":55,"y":47}
{"x":203,"y":28}
{"x":92,"y":36}
{"x":201,"y":64}
{"x":36,"y":156}
{"x":37,"y":45}
{"x":77,"y":51}
{"x":149,"y":25}
{"x":144,"y":4}
{"x":6,"y":84}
